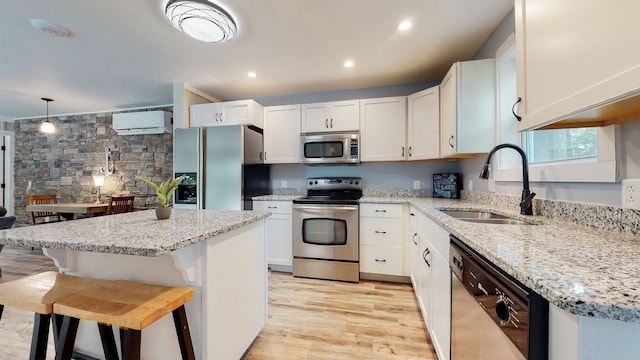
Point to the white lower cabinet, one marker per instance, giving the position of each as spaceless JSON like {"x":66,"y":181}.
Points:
{"x":279,"y":232}
{"x":381,"y":235}
{"x":432,"y":284}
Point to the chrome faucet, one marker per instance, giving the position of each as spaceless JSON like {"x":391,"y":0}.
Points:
{"x":526,"y":207}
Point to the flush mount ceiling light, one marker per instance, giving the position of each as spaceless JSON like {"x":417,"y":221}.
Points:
{"x":201,"y":19}
{"x":47,"y":126}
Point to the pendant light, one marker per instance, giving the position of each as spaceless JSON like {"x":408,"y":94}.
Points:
{"x":201,"y":19}
{"x":46,"y":126}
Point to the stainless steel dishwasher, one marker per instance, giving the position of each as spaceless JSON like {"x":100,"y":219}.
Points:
{"x":493,"y":316}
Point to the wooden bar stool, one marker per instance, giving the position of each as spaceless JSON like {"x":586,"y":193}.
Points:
{"x":129,"y":305}
{"x":38,"y":293}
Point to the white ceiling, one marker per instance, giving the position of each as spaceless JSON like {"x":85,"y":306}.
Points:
{"x":125,"y":54}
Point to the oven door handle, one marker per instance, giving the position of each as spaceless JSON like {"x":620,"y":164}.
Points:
{"x":325,"y":207}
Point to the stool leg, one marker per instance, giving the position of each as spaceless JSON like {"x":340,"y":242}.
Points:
{"x":66,"y":338}
{"x":108,"y":342}
{"x":130,"y":343}
{"x":40,"y":337}
{"x":1,"y":310}
{"x":184,"y":335}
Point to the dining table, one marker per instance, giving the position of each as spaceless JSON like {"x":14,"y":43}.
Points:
{"x":69,"y":210}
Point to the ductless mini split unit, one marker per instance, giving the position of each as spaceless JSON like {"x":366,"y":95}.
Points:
{"x":142,"y":122}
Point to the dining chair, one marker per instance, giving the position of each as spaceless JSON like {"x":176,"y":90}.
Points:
{"x":6,"y":222}
{"x":120,"y":204}
{"x":45,"y":216}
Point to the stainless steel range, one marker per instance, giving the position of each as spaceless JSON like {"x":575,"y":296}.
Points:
{"x":325,"y":230}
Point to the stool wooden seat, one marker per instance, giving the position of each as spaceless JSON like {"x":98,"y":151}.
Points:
{"x":38,"y":293}
{"x":129,"y":305}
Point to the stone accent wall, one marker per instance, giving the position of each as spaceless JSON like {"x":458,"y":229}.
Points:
{"x":63,"y":163}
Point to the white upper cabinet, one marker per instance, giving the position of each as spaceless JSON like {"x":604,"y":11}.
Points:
{"x":468,"y":109}
{"x":383,"y":129}
{"x":423,"y":137}
{"x":282,"y":134}
{"x":331,"y":116}
{"x":573,"y":56}
{"x":241,"y":112}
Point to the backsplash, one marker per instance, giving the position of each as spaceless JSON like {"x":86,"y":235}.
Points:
{"x":607,"y":217}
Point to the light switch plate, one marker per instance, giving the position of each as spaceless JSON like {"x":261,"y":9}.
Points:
{"x":631,"y":193}
{"x":416,"y":184}
{"x":283,"y":184}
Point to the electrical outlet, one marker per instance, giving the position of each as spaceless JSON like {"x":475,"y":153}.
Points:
{"x":283,"y":184}
{"x":631,"y":193}
{"x":416,"y":184}
{"x":470,"y":185}
{"x":491,"y":185}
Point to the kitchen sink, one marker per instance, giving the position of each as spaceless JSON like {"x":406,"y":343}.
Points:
{"x":485,"y":217}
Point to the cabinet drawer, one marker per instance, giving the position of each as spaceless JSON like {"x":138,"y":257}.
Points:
{"x":385,"y":232}
{"x":436,"y":235}
{"x":381,"y":260}
{"x":381,"y":210}
{"x":274,"y":207}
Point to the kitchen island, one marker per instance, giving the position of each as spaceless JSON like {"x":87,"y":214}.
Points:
{"x":221,"y":254}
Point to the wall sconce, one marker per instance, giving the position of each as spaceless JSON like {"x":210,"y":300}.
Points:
{"x":98,"y":180}
{"x":107,"y":170}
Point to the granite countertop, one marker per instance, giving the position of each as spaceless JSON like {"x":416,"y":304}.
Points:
{"x":134,"y":233}
{"x":583,"y":270}
{"x":290,"y":197}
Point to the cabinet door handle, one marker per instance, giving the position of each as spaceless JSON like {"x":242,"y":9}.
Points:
{"x":331,"y":123}
{"x":412,"y":214}
{"x":382,"y":211}
{"x":272,"y":207}
{"x":326,"y":123}
{"x":513,"y":109}
{"x":451,"y":141}
{"x":403,"y":151}
{"x":409,"y":151}
{"x":424,"y":256}
{"x":413,"y":238}
{"x":381,"y":260}
{"x":261,"y":156}
{"x":221,"y":118}
{"x":380,"y":232}
{"x":217,"y":114}
{"x":265,"y":156}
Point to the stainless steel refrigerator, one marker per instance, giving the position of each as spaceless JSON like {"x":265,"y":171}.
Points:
{"x":230,"y":168}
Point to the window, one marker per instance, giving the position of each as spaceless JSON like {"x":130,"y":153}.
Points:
{"x":561,"y":144}
{"x":562,"y":155}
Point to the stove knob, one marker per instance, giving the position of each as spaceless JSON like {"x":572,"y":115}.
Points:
{"x":316,"y":182}
{"x":351,"y":182}
{"x":310,"y":182}
{"x":357,"y":182}
{"x":503,"y":310}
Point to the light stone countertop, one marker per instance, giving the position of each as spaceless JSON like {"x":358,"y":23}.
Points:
{"x":134,"y":233}
{"x":583,"y":270}
{"x":276,"y":197}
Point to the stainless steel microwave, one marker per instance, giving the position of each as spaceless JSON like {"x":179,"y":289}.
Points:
{"x":330,"y":148}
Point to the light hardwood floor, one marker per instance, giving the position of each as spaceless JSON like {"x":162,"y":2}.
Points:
{"x":308,"y":319}
{"x":320,"y":319}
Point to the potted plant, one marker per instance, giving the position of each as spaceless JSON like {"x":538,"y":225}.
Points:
{"x":164,"y":192}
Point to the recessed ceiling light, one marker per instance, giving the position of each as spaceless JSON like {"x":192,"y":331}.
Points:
{"x":50,"y":28}
{"x":252,"y":74}
{"x":348,"y":63}
{"x":405,"y":25}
